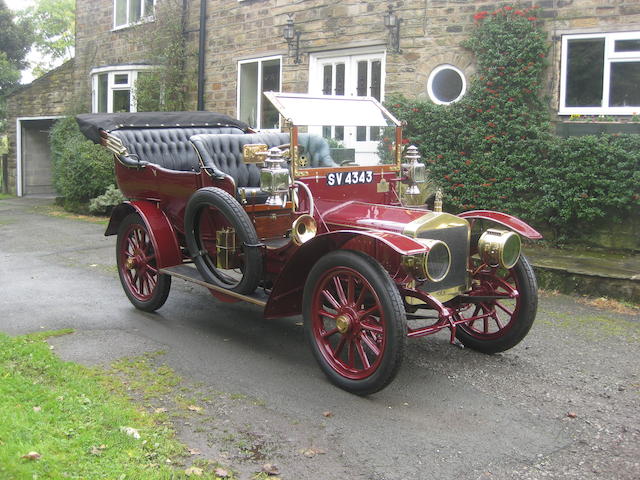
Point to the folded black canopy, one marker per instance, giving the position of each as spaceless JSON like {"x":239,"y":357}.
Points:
{"x":92,"y":123}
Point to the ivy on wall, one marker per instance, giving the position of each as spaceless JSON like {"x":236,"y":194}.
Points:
{"x":494,"y":148}
{"x":167,"y":87}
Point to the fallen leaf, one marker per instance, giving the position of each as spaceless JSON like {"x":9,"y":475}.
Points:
{"x":96,"y":450}
{"x":270,"y":469}
{"x":132,"y":432}
{"x":327,"y":414}
{"x":160,"y":410}
{"x":193,"y":471}
{"x":37,"y":409}
{"x":312,"y":452}
{"x":221,"y":472}
{"x":194,"y":408}
{"x":194,"y":451}
{"x":32,"y":456}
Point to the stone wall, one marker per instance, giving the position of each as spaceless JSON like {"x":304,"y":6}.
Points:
{"x":49,"y":95}
{"x":431,"y":33}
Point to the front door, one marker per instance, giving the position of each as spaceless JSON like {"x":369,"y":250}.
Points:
{"x":351,"y":73}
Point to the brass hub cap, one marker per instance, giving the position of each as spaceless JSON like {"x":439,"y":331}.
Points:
{"x":343,"y":322}
{"x":130,"y":263}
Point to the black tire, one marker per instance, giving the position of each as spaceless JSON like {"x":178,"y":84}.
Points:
{"x":523,"y":309}
{"x":144,"y":286}
{"x":367,"y":284}
{"x":231,"y":214}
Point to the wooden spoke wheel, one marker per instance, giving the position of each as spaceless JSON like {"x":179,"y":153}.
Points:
{"x":146,"y":288}
{"x":354,"y":321}
{"x":502,"y":320}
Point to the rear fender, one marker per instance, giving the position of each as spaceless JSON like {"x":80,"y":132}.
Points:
{"x":286,"y":296}
{"x":504,"y":219}
{"x":163,"y":237}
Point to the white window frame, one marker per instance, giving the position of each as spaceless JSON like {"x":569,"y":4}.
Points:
{"x":131,"y":70}
{"x":610,"y":56}
{"x":434,"y":98}
{"x":318,"y":60}
{"x":261,"y":98}
{"x":144,"y":16}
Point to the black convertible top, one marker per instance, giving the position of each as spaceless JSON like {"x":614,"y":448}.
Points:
{"x":92,"y":123}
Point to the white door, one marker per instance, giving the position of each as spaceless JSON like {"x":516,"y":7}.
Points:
{"x":350,"y":73}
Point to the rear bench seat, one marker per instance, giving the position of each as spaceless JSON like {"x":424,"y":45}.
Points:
{"x":167,"y":147}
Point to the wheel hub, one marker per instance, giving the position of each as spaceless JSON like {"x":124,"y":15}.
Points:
{"x":343,"y":322}
{"x":130,"y":263}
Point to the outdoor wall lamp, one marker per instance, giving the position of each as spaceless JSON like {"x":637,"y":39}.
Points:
{"x":392,"y":22}
{"x":292,"y":36}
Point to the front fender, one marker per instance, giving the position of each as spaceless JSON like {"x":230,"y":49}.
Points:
{"x":286,"y":296}
{"x":505,"y":219}
{"x":162,"y":234}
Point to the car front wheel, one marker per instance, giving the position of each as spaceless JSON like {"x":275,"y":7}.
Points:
{"x":354,"y":321}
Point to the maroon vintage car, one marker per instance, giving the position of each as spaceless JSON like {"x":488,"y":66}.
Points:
{"x":327,"y":220}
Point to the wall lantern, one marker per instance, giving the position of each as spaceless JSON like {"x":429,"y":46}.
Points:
{"x":392,"y":22}
{"x":292,"y":36}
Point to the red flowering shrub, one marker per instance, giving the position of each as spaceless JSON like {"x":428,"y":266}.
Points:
{"x":494,"y":148}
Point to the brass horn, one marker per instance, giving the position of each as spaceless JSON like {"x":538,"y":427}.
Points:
{"x":304,"y":228}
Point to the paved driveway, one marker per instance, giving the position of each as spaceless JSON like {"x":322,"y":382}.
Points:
{"x":450,"y":414}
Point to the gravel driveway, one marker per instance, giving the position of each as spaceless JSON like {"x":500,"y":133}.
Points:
{"x":564,"y":403}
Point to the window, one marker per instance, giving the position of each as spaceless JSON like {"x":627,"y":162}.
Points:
{"x":600,"y":74}
{"x":112,"y":88}
{"x":129,"y":12}
{"x":255,"y":77}
{"x":446,"y":84}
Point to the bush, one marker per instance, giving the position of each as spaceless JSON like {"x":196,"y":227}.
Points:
{"x":81,"y":169}
{"x":103,"y":204}
{"x":494,"y":148}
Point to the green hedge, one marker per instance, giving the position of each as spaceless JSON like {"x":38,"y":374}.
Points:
{"x":494,"y":148}
{"x":81,"y":169}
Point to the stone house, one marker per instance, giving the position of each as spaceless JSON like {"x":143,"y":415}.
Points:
{"x":341,"y":47}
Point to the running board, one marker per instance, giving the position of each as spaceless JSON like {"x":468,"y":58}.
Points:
{"x":189,"y":273}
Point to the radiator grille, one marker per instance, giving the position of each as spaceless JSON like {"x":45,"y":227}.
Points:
{"x":457,"y":239}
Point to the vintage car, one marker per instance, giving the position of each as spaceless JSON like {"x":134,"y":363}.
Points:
{"x":340,"y":235}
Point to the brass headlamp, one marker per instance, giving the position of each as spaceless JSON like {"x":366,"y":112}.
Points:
{"x":499,"y":248}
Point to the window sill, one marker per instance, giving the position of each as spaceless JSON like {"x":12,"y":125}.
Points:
{"x":142,"y":21}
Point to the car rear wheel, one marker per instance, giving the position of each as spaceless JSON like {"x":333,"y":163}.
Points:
{"x":146,"y":288}
{"x":499,"y":323}
{"x":354,"y":321}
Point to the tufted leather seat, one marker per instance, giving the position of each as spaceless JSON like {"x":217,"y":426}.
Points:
{"x":223,"y":153}
{"x":168,"y":147}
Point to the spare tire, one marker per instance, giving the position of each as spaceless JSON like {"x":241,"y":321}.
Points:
{"x":209,"y":210}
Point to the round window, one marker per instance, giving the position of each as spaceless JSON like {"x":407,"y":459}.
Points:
{"x":446,"y":84}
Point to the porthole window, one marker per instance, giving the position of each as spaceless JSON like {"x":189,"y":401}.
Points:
{"x":446,"y":84}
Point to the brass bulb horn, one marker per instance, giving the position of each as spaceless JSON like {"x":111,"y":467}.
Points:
{"x":304,"y":228}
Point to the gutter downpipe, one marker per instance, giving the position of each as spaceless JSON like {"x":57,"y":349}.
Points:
{"x":201,"y":51}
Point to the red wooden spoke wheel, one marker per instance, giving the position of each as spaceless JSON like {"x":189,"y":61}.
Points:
{"x":146,"y":288}
{"x":505,"y":309}
{"x":354,"y":321}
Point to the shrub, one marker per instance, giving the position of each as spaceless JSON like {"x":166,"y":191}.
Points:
{"x":494,"y":148}
{"x":103,"y":204}
{"x":81,"y":169}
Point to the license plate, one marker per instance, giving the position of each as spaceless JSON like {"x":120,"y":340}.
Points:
{"x":337,"y":179}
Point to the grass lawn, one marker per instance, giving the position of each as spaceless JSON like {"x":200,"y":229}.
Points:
{"x":63,"y":420}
